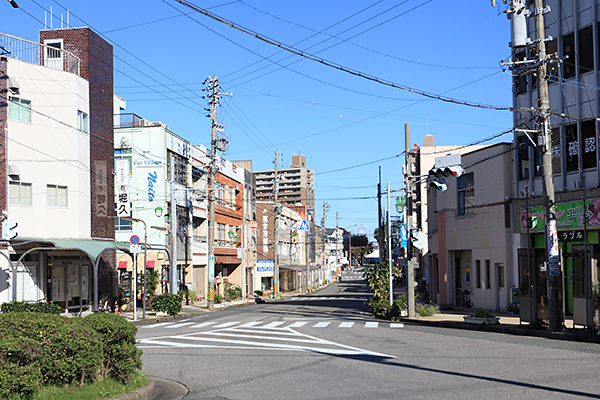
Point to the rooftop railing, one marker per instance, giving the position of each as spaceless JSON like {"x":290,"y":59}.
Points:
{"x":39,"y":54}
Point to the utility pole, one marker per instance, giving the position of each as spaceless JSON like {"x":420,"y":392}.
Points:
{"x":326,"y":207}
{"x":409,"y":252}
{"x":275,"y":223}
{"x":379,"y":219}
{"x":213,"y":96}
{"x":173,"y":274}
{"x":555,"y":315}
{"x":337,"y":239}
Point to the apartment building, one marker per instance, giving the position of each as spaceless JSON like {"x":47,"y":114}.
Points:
{"x":56,"y":109}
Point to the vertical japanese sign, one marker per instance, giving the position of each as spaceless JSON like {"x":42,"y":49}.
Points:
{"x":553,"y":260}
{"x":123,"y":200}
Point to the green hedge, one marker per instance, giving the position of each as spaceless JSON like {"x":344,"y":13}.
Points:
{"x":169,"y":303}
{"x":39,"y":349}
{"x":21,"y":306}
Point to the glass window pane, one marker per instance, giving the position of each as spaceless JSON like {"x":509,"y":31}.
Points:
{"x":51,"y":193}
{"x":588,"y":133}
{"x":572,"y":147}
{"x":13,"y":192}
{"x":25,"y":111}
{"x":13,"y":108}
{"x":26,"y":199}
{"x":62,"y":196}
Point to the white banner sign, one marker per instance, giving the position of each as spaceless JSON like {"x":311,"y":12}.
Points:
{"x":122,"y":193}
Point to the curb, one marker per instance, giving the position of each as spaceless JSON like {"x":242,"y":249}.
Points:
{"x":510,"y":330}
{"x":144,"y":393}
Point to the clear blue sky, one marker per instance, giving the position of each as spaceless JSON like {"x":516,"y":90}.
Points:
{"x":283,"y":102}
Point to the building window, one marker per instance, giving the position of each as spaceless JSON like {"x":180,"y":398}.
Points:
{"x":19,"y":193}
{"x":478,"y":272}
{"x":19,"y":109}
{"x":180,"y":167}
{"x":586,"y":50}
{"x":553,"y":67}
{"x":588,"y":137}
{"x":488,"y":275}
{"x":82,"y":122}
{"x":523,"y":157}
{"x":122,"y":224}
{"x":220,"y":231}
{"x":466,"y":193}
{"x":572,"y":147}
{"x":520,"y":81}
{"x":500,"y":269}
{"x":569,"y":51}
{"x":57,"y":196}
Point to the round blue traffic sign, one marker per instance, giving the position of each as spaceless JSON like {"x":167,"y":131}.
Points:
{"x":134,"y":239}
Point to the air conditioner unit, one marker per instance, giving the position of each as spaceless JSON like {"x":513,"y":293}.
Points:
{"x":156,"y":123}
{"x":144,"y":122}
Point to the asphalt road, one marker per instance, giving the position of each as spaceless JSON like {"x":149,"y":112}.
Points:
{"x":327,"y":346}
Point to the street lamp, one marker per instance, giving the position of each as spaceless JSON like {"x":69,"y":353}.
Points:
{"x":160,"y":228}
{"x":135,"y":275}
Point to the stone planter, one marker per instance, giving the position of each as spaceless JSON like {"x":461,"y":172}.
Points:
{"x":481,"y":321}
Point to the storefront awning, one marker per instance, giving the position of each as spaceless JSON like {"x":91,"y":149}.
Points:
{"x":93,"y":248}
{"x":292,"y":267}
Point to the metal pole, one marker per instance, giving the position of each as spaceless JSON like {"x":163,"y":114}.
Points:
{"x":532,"y":322}
{"x":145,"y":268}
{"x":408,"y":188}
{"x":173,"y":274}
{"x":135,"y":286}
{"x":389,"y":224}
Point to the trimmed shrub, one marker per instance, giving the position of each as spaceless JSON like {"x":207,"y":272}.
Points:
{"x":169,"y":303}
{"x":483,"y":313}
{"x":19,"y":367}
{"x":232,"y":292}
{"x":121,"y":356}
{"x":218,"y":298}
{"x":21,"y":306}
{"x":259,"y":292}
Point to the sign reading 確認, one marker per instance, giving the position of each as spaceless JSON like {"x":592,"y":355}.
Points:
{"x":568,"y":216}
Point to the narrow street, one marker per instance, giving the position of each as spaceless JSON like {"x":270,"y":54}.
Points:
{"x":327,"y":345}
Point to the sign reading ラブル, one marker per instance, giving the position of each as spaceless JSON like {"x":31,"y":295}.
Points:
{"x":568,"y":215}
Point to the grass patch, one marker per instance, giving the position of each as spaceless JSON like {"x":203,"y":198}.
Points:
{"x":427,"y":310}
{"x":106,"y":388}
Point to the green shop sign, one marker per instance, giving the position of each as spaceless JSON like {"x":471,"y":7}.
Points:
{"x":568,"y":216}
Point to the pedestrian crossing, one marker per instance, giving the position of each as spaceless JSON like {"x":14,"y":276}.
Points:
{"x":304,"y":298}
{"x":185,"y":324}
{"x":260,"y":335}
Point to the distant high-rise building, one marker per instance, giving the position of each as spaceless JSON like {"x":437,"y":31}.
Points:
{"x":296,"y":186}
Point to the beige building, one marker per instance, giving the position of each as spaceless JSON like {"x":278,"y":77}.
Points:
{"x":470,"y":246}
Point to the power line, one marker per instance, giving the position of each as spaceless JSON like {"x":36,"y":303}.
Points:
{"x":339,"y":66}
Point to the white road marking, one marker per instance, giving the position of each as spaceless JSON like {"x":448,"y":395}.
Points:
{"x":161,"y":324}
{"x":250,"y":324}
{"x":274,"y":324}
{"x":227,"y":324}
{"x":371,"y":324}
{"x":346,"y":325}
{"x":321,"y":324}
{"x":396,"y":325}
{"x":202,"y":325}
{"x":298,"y":324}
{"x":179,"y":325}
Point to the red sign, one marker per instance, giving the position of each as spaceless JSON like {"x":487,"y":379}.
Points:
{"x":253,"y":224}
{"x":134,"y":239}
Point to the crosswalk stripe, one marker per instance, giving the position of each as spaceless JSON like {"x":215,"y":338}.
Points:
{"x":179,"y":325}
{"x":250,"y":324}
{"x":161,"y":324}
{"x":393,"y":325}
{"x":274,"y":324}
{"x":227,"y":324}
{"x":371,"y":324}
{"x":298,"y":324}
{"x":294,"y":298}
{"x":346,"y":325}
{"x":322,"y":324}
{"x":202,"y":325}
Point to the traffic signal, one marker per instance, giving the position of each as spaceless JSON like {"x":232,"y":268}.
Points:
{"x":7,"y":229}
{"x":294,"y":236}
{"x":444,"y":172}
{"x":439,"y":184}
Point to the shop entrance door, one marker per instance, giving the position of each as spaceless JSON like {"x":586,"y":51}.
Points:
{"x":580,"y":276}
{"x":538,"y":284}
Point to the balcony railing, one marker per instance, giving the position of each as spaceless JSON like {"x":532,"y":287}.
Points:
{"x":39,"y":54}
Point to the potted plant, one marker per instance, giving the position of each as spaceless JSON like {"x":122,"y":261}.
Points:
{"x":481,"y":317}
